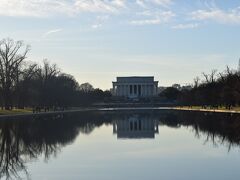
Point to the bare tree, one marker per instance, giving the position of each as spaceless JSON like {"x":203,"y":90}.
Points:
{"x":212,"y":75}
{"x":222,"y":77}
{"x":47,"y":71}
{"x":11,"y":59}
{"x":86,"y":87}
{"x":207,"y":79}
{"x":24,"y":86}
{"x":229,"y":71}
{"x":196,"y":82}
{"x":46,"y":74}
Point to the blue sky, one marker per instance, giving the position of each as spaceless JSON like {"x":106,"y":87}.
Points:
{"x":97,"y":40}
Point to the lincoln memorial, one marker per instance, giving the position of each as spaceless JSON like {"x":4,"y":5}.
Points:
{"x":135,"y":86}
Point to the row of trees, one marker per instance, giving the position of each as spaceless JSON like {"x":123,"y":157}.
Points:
{"x":25,"y":84}
{"x":215,"y":90}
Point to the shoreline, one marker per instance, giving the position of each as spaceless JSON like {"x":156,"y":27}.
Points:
{"x":25,"y":114}
{"x":207,"y":110}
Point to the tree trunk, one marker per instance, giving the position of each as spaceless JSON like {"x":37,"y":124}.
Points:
{"x":7,"y":100}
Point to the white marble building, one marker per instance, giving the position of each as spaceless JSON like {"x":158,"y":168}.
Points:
{"x":135,"y":87}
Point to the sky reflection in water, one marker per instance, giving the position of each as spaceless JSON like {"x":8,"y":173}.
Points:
{"x":122,"y":145}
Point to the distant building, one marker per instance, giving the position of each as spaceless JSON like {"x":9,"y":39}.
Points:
{"x":135,"y":87}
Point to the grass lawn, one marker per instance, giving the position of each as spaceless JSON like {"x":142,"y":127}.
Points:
{"x":208,"y":108}
{"x":15,"y":111}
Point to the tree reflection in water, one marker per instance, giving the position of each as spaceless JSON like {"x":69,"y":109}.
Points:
{"x":217,"y":128}
{"x":24,"y":140}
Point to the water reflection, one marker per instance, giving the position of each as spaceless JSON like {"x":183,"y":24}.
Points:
{"x":25,"y":140}
{"x":218,"y":129}
{"x":135,"y":127}
{"x":21,"y":141}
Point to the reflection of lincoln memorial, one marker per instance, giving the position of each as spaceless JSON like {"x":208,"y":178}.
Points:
{"x":135,"y":127}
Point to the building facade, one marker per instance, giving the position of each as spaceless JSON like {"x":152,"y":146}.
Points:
{"x":135,"y":87}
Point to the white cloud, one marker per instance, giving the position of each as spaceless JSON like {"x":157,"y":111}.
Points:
{"x":186,"y":26}
{"x":146,"y":3}
{"x":146,"y":13}
{"x":34,"y":8}
{"x":100,"y":20}
{"x":155,"y":18}
{"x":218,"y":15}
{"x":119,"y":3}
{"x":146,"y":21}
{"x":51,"y":32}
{"x":96,"y":26}
{"x":154,"y":11}
{"x":163,"y":2}
{"x":141,"y":3}
{"x":44,"y":8}
{"x":153,"y":14}
{"x":103,"y":18}
{"x":95,"y":6}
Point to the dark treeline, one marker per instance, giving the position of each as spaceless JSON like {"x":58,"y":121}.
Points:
{"x":216,"y":90}
{"x":26,"y":84}
{"x":222,"y":89}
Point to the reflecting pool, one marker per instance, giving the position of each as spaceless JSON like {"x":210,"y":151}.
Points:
{"x":123,"y":144}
